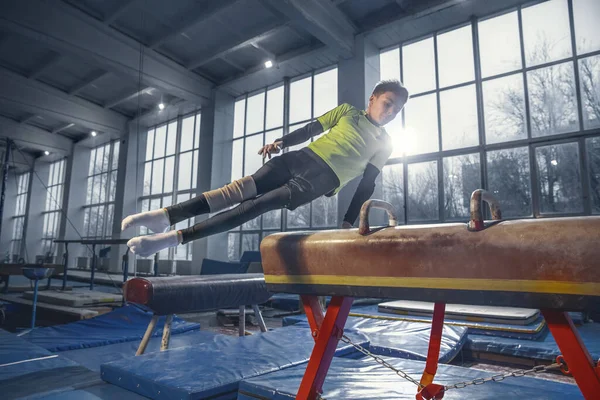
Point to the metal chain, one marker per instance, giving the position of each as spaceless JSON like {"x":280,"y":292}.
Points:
{"x":477,"y":381}
{"x":501,"y":377}
{"x":380,"y":360}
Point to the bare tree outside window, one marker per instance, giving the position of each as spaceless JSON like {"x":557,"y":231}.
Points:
{"x":462,"y":176}
{"x":559,"y":178}
{"x":393,"y":187}
{"x":593,"y":152}
{"x":509,"y":180}
{"x":552,"y":100}
{"x":518,"y":105}
{"x":423,"y":191}
{"x":589,"y":75}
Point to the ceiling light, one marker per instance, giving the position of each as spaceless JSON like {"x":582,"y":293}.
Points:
{"x":94,"y":133}
{"x":268,"y":64}
{"x":161,"y":106}
{"x":47,"y":152}
{"x":554,"y":162}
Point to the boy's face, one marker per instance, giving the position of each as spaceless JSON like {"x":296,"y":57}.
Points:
{"x":383,"y":108}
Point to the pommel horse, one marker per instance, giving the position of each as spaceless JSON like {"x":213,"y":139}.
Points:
{"x":551,"y":264}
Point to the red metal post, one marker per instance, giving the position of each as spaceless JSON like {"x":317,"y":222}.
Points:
{"x":435,"y":340}
{"x":313,"y":312}
{"x":574,"y":352}
{"x":329,"y":334}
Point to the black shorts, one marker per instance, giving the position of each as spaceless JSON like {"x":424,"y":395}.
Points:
{"x":304,"y":173}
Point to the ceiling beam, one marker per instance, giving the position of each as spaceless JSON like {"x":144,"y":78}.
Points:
{"x":48,"y":62}
{"x":38,"y":98}
{"x":127,"y":96}
{"x":201,"y":13}
{"x":28,"y":119}
{"x":70,"y":31}
{"x":33,"y":137}
{"x":62,"y":128}
{"x":170,"y":107}
{"x":270,"y":56}
{"x":256,"y":34}
{"x":322,"y":19}
{"x":279,"y":70}
{"x":416,"y":10}
{"x":89,"y":80}
{"x":117,"y":12}
{"x":233,"y":64}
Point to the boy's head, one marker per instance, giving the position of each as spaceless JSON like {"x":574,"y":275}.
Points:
{"x":386,"y":101}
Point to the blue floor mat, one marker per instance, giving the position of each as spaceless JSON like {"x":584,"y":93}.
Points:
{"x":365,"y":379}
{"x":544,"y":349}
{"x":405,"y":339}
{"x":184,"y":373}
{"x":99,"y":391}
{"x":27,"y":369}
{"x":528,"y":332}
{"x":14,"y":349}
{"x":94,"y":357}
{"x":123,"y":324}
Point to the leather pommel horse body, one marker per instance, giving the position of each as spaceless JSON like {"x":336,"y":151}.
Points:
{"x":551,"y":264}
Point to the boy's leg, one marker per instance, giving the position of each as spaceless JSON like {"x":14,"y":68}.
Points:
{"x":297,"y":191}
{"x":222,"y":222}
{"x":271,"y":175}
{"x":246,"y":211}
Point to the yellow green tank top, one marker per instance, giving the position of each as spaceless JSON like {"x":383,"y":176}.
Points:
{"x":351,"y":143}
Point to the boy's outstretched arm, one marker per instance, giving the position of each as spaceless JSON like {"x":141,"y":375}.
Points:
{"x":301,"y":135}
{"x":363,"y":193}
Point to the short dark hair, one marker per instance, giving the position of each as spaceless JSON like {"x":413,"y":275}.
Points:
{"x":391,"y":85}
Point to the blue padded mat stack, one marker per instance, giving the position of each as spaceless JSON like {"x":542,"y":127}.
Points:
{"x":529,"y":332}
{"x":123,"y":324}
{"x":365,"y":379}
{"x":209,"y":371}
{"x":94,"y":357}
{"x":26,"y":369}
{"x":543,"y":349}
{"x":404,"y":339}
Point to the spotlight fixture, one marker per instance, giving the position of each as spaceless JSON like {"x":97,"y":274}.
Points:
{"x":47,"y":152}
{"x":161,"y":106}
{"x":94,"y":133}
{"x":268,"y":64}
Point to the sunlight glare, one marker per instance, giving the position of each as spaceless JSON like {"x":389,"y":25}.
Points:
{"x":404,"y":142}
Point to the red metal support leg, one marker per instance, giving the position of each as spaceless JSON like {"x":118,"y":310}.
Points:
{"x":435,"y":340}
{"x":428,"y":389}
{"x":313,"y":312}
{"x":328,"y":336}
{"x":574,"y":352}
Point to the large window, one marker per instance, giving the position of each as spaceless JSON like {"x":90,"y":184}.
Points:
{"x":510,"y":103}
{"x":259,"y":119}
{"x":19,"y":217}
{"x":170,"y":171}
{"x":100,"y":195}
{"x":52,"y":209}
